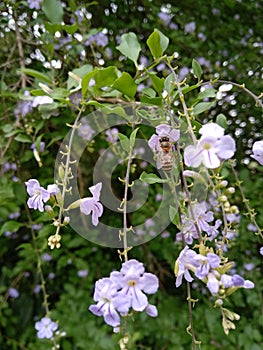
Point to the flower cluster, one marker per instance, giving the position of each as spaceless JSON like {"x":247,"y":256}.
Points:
{"x":211,"y":149}
{"x":123,"y":290}
{"x":39,"y":195}
{"x":200,"y":221}
{"x":207,"y":268}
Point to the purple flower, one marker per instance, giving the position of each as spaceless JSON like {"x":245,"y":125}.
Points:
{"x":258,"y":151}
{"x":45,"y":328}
{"x":236,"y":281}
{"x":165,"y":18}
{"x":261,"y":250}
{"x":13,"y":293}
{"x":212,"y":283}
{"x":205,"y":263}
{"x":151,"y":310}
{"x":85,"y":131}
{"x":133,"y":282}
{"x":41,"y":147}
{"x":190,"y":27}
{"x":212,"y":147}
{"x":184,"y":263}
{"x":53,"y":189}
{"x":201,"y":219}
{"x":92,"y":204}
{"x":112,"y":135}
{"x":163,"y":130}
{"x":83,"y":273}
{"x":24,"y":107}
{"x":38,"y":195}
{"x":99,"y":39}
{"x":46,"y":257}
{"x":108,"y":302}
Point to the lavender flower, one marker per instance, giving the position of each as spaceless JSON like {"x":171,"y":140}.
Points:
{"x":201,"y":219}
{"x":99,"y":39}
{"x":163,"y":130}
{"x":184,"y":263}
{"x":24,"y":107}
{"x":45,"y":328}
{"x":92,"y":204}
{"x":112,"y":135}
{"x":85,"y":131}
{"x":41,"y":146}
{"x":205,"y":263}
{"x":236,"y":281}
{"x":190,"y":27}
{"x":83,"y":273}
{"x":133,"y":281}
{"x":123,"y":290}
{"x":108,"y":302}
{"x":212,"y":147}
{"x":212,"y":282}
{"x":38,"y":195}
{"x":258,"y":151}
{"x":13,"y":293}
{"x":261,"y":250}
{"x":165,"y":18}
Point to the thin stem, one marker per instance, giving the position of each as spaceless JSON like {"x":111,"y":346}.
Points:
{"x":20,"y":51}
{"x":67,"y":169}
{"x":124,"y":201}
{"x":250,"y":211}
{"x":242,"y":87}
{"x":39,"y":265}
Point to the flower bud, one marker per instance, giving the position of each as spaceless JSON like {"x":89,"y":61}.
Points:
{"x":66,"y":220}
{"x":50,"y":211}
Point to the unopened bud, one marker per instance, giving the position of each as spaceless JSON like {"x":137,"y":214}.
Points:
{"x":222,"y":198}
{"x":231,"y":190}
{"x":50,"y":211}
{"x":66,"y":220}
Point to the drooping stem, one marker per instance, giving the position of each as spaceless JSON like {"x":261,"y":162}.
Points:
{"x":67,"y":170}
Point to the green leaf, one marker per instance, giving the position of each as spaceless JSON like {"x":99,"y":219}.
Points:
{"x":174,"y":215}
{"x":157,"y":101}
{"x":47,"y":110}
{"x":125,"y":142}
{"x":79,"y":72}
{"x":197,"y":69}
{"x":23,"y":138}
{"x":11,"y":226}
{"x":151,"y":178}
{"x":158,"y":83}
{"x":157,"y":43}
{"x":130,"y":47}
{"x":133,"y":136}
{"x":71,"y":29}
{"x":53,"y":10}
{"x":105,"y":76}
{"x":36,"y":74}
{"x":221,"y":120}
{"x":125,"y":84}
{"x":169,"y":83}
{"x":207,"y":93}
{"x":202,"y":107}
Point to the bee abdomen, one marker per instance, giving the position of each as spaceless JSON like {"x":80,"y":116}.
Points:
{"x":167,"y":166}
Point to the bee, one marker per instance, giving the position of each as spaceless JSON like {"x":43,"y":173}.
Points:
{"x":165,"y":154}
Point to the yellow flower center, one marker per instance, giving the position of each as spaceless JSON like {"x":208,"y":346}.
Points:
{"x":132,"y":283}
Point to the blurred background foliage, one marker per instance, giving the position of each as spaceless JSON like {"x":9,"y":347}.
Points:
{"x":226,"y":38}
